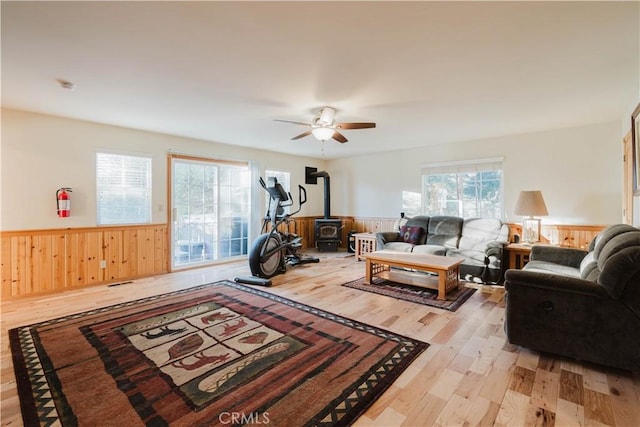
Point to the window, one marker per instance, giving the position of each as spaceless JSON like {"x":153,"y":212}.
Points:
{"x":123,"y":189}
{"x":467,"y":189}
{"x":284,"y":178}
{"x":411,"y":203}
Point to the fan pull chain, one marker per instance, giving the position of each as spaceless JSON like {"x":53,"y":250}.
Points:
{"x":322,"y":148}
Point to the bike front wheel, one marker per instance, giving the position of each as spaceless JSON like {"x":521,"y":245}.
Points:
{"x":271,"y":265}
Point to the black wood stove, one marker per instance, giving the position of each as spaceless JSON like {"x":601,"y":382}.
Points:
{"x":328,"y":230}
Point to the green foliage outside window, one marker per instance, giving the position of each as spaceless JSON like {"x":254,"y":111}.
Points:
{"x":464,"y":194}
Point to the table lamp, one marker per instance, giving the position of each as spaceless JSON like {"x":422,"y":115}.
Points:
{"x":530,"y":204}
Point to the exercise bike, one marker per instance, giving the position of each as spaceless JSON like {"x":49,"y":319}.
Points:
{"x":274,"y":249}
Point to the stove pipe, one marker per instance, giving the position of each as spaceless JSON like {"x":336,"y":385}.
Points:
{"x":327,"y":193}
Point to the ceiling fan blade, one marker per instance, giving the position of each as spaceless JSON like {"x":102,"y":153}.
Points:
{"x":355,"y":125}
{"x":339,"y":137}
{"x":302,"y":135}
{"x":289,"y":121}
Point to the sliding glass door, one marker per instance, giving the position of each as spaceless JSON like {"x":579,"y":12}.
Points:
{"x":209,"y":210}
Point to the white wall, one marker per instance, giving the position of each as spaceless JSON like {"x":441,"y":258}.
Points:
{"x":42,"y":153}
{"x":578,"y":170}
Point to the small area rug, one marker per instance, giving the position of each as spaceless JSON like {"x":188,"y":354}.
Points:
{"x":415,"y":294}
{"x":217,"y":354}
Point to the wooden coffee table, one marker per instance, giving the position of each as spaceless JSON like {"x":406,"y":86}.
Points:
{"x":379,"y":264}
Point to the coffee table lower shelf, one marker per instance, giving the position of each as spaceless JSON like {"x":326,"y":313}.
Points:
{"x":414,"y":278}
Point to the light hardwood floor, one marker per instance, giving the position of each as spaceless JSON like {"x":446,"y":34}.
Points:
{"x":469,"y":375}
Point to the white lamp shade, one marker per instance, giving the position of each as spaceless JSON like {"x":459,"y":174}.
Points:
{"x":531,"y":203}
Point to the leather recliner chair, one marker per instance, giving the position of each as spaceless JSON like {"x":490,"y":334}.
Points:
{"x":580,"y":304}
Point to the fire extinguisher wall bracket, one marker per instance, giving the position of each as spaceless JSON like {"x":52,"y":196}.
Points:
{"x":63,"y":202}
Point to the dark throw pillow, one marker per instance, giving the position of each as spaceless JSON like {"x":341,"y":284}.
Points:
{"x":411,"y":234}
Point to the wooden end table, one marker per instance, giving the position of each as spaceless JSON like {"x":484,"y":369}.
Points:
{"x":379,"y":264}
{"x":365,"y":243}
{"x":518,"y":255}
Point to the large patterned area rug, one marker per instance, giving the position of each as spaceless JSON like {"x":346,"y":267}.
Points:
{"x":217,"y":354}
{"x":415,"y":294}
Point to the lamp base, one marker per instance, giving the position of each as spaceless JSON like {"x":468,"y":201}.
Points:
{"x":531,"y":230}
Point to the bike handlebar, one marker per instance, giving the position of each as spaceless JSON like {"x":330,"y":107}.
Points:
{"x":302,"y":199}
{"x":302,"y":192}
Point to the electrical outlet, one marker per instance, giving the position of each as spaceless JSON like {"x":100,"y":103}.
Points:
{"x":103,"y":263}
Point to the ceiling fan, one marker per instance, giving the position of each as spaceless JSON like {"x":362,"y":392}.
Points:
{"x":324,"y":127}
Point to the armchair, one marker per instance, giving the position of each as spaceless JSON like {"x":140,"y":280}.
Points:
{"x":580,"y":304}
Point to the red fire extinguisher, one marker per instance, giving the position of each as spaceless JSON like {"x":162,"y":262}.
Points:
{"x":63,"y":202}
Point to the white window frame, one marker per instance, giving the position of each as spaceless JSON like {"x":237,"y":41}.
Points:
{"x":192,"y":231}
{"x":460,"y":168}
{"x":123,"y":185}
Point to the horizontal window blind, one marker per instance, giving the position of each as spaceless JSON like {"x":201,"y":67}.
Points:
{"x":123,"y":189}
{"x":464,"y":166}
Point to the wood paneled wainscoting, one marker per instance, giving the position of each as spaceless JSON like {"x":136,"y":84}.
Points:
{"x":571,"y":236}
{"x":304,"y":227}
{"x":575,"y":236}
{"x":37,"y":261}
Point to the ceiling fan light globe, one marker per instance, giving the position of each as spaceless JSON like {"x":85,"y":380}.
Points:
{"x":323,"y":134}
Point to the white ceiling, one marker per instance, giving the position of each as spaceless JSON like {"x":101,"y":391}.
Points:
{"x":425,"y":72}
